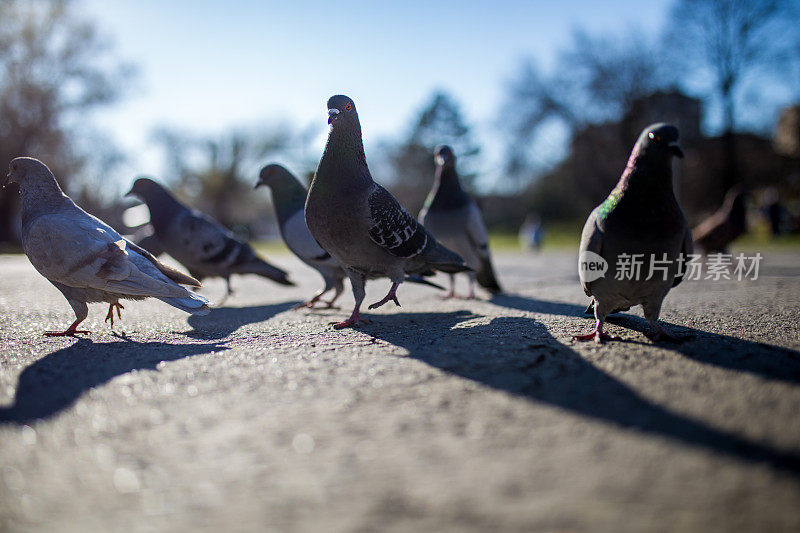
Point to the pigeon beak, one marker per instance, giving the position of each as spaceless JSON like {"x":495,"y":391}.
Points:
{"x":259,"y":183}
{"x":332,"y":113}
{"x":6,"y":180}
{"x":675,"y":149}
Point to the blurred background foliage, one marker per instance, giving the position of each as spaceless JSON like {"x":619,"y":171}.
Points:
{"x":715,"y":59}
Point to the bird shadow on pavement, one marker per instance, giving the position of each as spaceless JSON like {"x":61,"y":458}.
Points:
{"x":222,"y":321}
{"x":523,"y":359}
{"x":725,"y":351}
{"x":53,"y":383}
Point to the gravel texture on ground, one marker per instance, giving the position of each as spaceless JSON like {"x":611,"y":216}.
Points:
{"x":438,"y":416}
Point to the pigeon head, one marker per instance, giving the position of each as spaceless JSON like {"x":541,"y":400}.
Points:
{"x":660,"y":140}
{"x":145,"y":188}
{"x":341,"y":108}
{"x":444,"y":156}
{"x":272,"y":175}
{"x":22,"y":169}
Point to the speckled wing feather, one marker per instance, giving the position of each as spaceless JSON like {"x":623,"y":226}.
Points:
{"x":203,"y":239}
{"x":392,"y":227}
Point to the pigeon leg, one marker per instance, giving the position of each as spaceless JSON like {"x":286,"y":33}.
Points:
{"x":309,"y":303}
{"x":597,"y":335}
{"x":357,"y":282}
{"x":471,"y":295}
{"x":652,"y":309}
{"x":69,"y":332}
{"x":228,"y":292}
{"x":452,"y":292}
{"x":390,"y":297}
{"x":660,"y":335}
{"x":110,"y":315}
{"x":336,"y":295}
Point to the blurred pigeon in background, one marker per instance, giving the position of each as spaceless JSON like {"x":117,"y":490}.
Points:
{"x":201,"y":244}
{"x":453,"y":217}
{"x":640,"y":216}
{"x":359,"y":223}
{"x":84,"y":257}
{"x":289,"y":198}
{"x":718,"y":231}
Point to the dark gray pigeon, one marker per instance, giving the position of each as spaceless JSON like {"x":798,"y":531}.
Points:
{"x":201,"y":244}
{"x":717,"y":232}
{"x":289,"y":198}
{"x":84,"y":257}
{"x":453,"y":217}
{"x":359,"y":223}
{"x":640,"y":216}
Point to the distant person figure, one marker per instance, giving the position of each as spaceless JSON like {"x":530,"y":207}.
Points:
{"x":718,"y":231}
{"x":774,"y":211}
{"x":531,"y":233}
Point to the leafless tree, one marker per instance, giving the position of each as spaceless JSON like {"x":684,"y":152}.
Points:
{"x":410,"y":162}
{"x":217,"y":173}
{"x":595,"y":79}
{"x":731,"y":43}
{"x":54,"y":68}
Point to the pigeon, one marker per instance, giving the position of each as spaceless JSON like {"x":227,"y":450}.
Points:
{"x":201,"y":244}
{"x":84,"y":257}
{"x":360,"y":223}
{"x":289,"y":199}
{"x":715,"y":233}
{"x":640,"y":220}
{"x":453,"y":217}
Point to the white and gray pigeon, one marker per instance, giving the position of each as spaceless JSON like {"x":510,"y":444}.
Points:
{"x":453,"y":217}
{"x":639,"y":221}
{"x":84,"y":257}
{"x":201,"y":244}
{"x":359,"y":223}
{"x":289,"y":198}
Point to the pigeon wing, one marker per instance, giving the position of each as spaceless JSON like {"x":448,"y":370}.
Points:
{"x":591,"y":241}
{"x":476,"y":231}
{"x":300,"y":241}
{"x":77,"y":252}
{"x":392,"y":227}
{"x":687,"y":248}
{"x":206,"y":241}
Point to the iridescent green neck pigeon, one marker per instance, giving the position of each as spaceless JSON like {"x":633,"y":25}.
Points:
{"x":640,"y":223}
{"x":201,"y":244}
{"x":453,"y":217}
{"x":359,"y":223}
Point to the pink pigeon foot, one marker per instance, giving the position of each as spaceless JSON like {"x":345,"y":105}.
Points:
{"x":69,"y":332}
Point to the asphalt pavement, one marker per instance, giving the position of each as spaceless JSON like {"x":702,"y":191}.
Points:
{"x":440,"y":415}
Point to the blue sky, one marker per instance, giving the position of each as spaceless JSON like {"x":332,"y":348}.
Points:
{"x":206,"y":66}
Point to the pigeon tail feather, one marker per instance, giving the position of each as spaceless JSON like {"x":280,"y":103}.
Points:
{"x":264,"y":269}
{"x":486,"y":278}
{"x":193,"y":304}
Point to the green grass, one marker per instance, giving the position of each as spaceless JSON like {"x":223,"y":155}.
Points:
{"x":567,"y":236}
{"x":561,"y":236}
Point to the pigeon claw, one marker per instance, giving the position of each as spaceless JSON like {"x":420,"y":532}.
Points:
{"x":352,"y":322}
{"x":110,"y":314}
{"x":597,"y":336}
{"x":391,"y":297}
{"x":69,"y":332}
{"x":308,"y":303}
{"x":659,"y":335}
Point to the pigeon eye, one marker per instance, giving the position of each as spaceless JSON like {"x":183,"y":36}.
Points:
{"x":348,"y":107}
{"x":654,"y":137}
